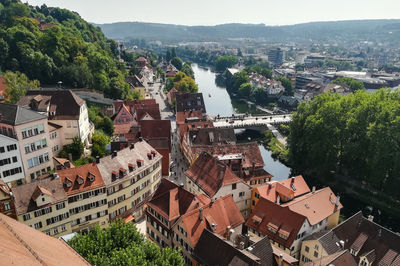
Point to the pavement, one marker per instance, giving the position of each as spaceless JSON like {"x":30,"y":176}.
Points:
{"x":179,"y":164}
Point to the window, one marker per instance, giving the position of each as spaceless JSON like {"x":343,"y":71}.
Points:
{"x":241,"y":194}
{"x":60,"y":205}
{"x":7,"y":206}
{"x":253,"y":203}
{"x":63,"y":228}
{"x":233,"y":186}
{"x":316,"y":247}
{"x":27,"y":216}
{"x":38,"y":225}
{"x":316,"y":254}
{"x":307,"y":249}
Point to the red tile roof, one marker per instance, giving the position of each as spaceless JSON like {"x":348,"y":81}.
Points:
{"x":151,"y":129}
{"x":131,"y":104}
{"x":172,"y":201}
{"x":296,"y":184}
{"x":210,"y":174}
{"x":23,"y":245}
{"x":40,"y":190}
{"x":282,"y":219}
{"x":223,"y":213}
{"x":84,"y":172}
{"x":184,"y":128}
{"x":316,"y":206}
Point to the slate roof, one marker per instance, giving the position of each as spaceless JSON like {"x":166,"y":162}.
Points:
{"x":15,"y":115}
{"x":378,"y":243}
{"x":65,"y":103}
{"x":223,"y":213}
{"x":210,"y":174}
{"x":212,"y":136}
{"x":172,"y":201}
{"x":84,"y":172}
{"x":267,"y":212}
{"x":340,"y":258}
{"x":227,"y":253}
{"x":23,"y":194}
{"x":327,"y":239}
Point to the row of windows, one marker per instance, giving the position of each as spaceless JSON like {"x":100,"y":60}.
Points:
{"x":40,"y":172}
{"x":159,"y":217}
{"x":38,"y":160}
{"x":6,"y":131}
{"x":82,"y":196}
{"x":12,"y":147}
{"x":35,"y":146}
{"x":13,"y":171}
{"x":89,"y":218}
{"x":158,"y":227}
{"x":55,"y":230}
{"x":57,"y":218}
{"x":88,"y":206}
{"x":41,"y":212}
{"x":32,"y":131}
{"x":8,"y":160}
{"x":53,"y":135}
{"x":117,"y":212}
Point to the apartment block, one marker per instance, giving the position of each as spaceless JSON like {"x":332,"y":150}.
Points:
{"x":11,"y":166}
{"x":131,"y":176}
{"x":30,"y":129}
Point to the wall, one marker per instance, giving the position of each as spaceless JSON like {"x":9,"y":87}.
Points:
{"x":243,"y":203}
{"x":26,"y":156}
{"x":4,"y":142}
{"x":56,"y":140}
{"x":333,"y":220}
{"x":314,"y":246}
{"x":70,"y":129}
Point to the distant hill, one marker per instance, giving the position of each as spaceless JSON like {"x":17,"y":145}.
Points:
{"x":386,"y":30}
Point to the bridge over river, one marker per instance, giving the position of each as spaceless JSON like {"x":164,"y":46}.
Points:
{"x":241,"y":121}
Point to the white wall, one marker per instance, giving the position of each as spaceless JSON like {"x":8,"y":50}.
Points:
{"x":4,"y":142}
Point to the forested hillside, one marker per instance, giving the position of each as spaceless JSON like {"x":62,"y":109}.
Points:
{"x":53,"y":44}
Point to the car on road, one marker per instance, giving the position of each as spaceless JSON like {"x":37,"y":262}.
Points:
{"x":231,"y":122}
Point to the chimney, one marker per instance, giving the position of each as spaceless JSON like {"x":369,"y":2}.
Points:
{"x":241,"y":245}
{"x":213,"y":227}
{"x":115,"y":153}
{"x":280,"y":261}
{"x":140,"y":139}
{"x":97,"y":159}
{"x":313,"y":189}
{"x":341,"y":242}
{"x":201,"y":214}
{"x":70,"y":157}
{"x":132,"y":146}
{"x":292,"y":180}
{"x":370,"y":218}
{"x":278,"y":200}
{"x":181,"y":185}
{"x":212,"y":201}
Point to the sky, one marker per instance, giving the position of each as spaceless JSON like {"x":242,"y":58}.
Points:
{"x":213,"y":12}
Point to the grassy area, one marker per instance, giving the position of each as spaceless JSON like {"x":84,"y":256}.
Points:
{"x":278,"y":150}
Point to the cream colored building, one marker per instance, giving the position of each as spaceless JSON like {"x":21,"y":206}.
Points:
{"x":131,"y":176}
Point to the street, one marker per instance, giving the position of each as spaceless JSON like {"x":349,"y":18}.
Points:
{"x":178,"y":163}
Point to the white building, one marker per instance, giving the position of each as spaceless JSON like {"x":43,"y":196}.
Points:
{"x":11,"y":167}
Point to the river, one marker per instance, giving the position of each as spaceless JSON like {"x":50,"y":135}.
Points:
{"x":219,"y":102}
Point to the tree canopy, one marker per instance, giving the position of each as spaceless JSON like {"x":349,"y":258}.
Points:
{"x":356,"y":134}
{"x":52,"y":44}
{"x":353,"y":84}
{"x":287,"y":84}
{"x":17,"y":85}
{"x":181,"y":82}
{"x":224,"y":62}
{"x":122,"y":244}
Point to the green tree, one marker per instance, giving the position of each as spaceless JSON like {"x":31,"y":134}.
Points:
{"x":187,"y":69}
{"x":75,"y":148}
{"x":287,"y":84}
{"x":177,"y":62}
{"x":245,"y":89}
{"x":100,"y":140}
{"x":122,"y":244}
{"x":238,"y":79}
{"x":353,"y":84}
{"x":259,"y":95}
{"x":239,"y":52}
{"x":224,"y":62}
{"x":18,"y":84}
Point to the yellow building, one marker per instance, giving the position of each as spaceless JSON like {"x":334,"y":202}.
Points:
{"x":131,"y":176}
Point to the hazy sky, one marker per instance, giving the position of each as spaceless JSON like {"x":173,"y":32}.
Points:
{"x":212,"y":12}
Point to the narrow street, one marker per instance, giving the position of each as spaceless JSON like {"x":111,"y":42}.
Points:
{"x":178,"y":163}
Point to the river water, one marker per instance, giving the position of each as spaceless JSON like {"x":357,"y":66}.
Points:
{"x":219,"y":102}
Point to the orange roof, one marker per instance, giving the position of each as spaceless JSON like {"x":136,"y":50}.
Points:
{"x":27,"y":246}
{"x":85,"y":172}
{"x":281,"y":219}
{"x":184,"y":128}
{"x":210,"y":174}
{"x":122,"y":128}
{"x":223,"y":213}
{"x":62,"y":161}
{"x":296,"y":184}
{"x":316,"y":206}
{"x":172,"y":201}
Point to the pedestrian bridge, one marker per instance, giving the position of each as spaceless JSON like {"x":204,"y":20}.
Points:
{"x":251,"y":122}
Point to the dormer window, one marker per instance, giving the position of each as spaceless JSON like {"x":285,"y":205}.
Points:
{"x":131,"y":167}
{"x":139,"y":163}
{"x":149,"y":156}
{"x":122,"y":172}
{"x":79,"y":180}
{"x":67,"y":182}
{"x":91,"y":177}
{"x":114,"y":175}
